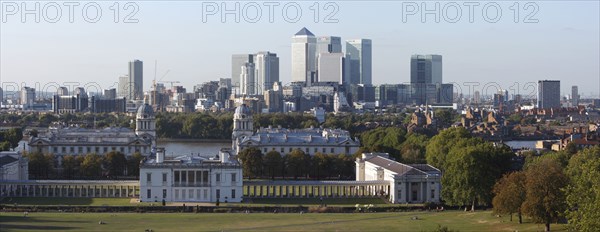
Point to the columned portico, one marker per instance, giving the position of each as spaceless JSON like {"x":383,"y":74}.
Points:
{"x":308,"y":189}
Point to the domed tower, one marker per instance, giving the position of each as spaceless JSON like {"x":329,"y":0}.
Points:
{"x":145,"y":123}
{"x":242,"y":125}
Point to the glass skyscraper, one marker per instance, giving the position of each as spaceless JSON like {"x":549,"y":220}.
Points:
{"x":359,"y":59}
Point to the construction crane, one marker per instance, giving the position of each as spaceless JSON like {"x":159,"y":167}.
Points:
{"x":155,"y":105}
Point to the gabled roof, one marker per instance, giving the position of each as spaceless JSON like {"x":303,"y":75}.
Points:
{"x":305,"y":32}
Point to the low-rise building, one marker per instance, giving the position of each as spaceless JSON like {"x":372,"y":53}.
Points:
{"x":191,"y":178}
{"x":13,"y":166}
{"x":409,"y":183}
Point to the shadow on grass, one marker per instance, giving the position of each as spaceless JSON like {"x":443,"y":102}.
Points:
{"x":47,"y":201}
{"x":29,"y":219}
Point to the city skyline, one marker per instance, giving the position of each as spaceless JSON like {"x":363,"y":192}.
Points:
{"x":505,"y":52}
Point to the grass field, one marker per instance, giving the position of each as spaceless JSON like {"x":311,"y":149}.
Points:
{"x":66,"y":201}
{"x":428,"y":221}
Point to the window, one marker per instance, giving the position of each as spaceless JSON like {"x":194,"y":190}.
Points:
{"x":323,"y":150}
{"x":316,"y":150}
{"x":183,"y":177}
{"x":282,"y":150}
{"x":432,"y":193}
{"x":80,"y":149}
{"x":218,"y":177}
{"x":232,"y":194}
{"x":149,"y":193}
{"x":122,"y":149}
{"x":191,"y":177}
{"x":205,"y":193}
{"x":233,"y":177}
{"x":191,"y":194}
{"x":105,"y":149}
{"x":265,"y":150}
{"x":89,"y":149}
{"x":290,"y":150}
{"x":164,"y":175}
{"x":218,"y":193}
{"x":149,"y":177}
{"x":97,"y":149}
{"x":176,"y":193}
{"x":400,"y":194}
{"x":71,"y":149}
{"x":164,"y":193}
{"x":63,"y":149}
{"x":205,"y":177}
{"x":332,"y":150}
{"x":198,"y":178}
{"x":113,"y":148}
{"x":177,"y":177}
{"x":55,"y":149}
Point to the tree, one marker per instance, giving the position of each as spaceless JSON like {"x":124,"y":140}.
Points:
{"x":510,"y":194}
{"x":413,"y":149}
{"x":40,"y":165}
{"x":13,"y":136}
{"x":583,"y":192}
{"x":439,"y":146}
{"x":545,"y":200}
{"x":297,"y":163}
{"x":571,"y":148}
{"x":4,"y":146}
{"x":251,"y":161}
{"x":70,"y":166}
{"x":115,"y":163}
{"x":471,"y":169}
{"x":273,"y":163}
{"x":320,"y":164}
{"x":133,"y":164}
{"x":91,"y":165}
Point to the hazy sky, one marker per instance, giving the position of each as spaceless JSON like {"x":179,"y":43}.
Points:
{"x":564,"y":44}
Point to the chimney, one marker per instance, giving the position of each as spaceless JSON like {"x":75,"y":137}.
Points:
{"x":160,"y":155}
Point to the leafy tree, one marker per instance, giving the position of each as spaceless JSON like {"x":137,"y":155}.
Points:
{"x":91,"y":165}
{"x":40,"y":165}
{"x":297,"y":162}
{"x":321,"y":164}
{"x":439,"y":146}
{"x":133,"y":164}
{"x":115,"y":163}
{"x":5,"y":146}
{"x":571,"y":148}
{"x":273,"y":163}
{"x":413,"y":149}
{"x":510,"y":194}
{"x":251,"y":161}
{"x":471,"y":169}
{"x":13,"y":136}
{"x":583,"y":192}
{"x":545,"y":200}
{"x":70,"y":166}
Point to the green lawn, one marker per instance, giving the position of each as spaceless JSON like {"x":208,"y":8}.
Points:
{"x":313,"y":201}
{"x":66,"y":201}
{"x":455,"y":220}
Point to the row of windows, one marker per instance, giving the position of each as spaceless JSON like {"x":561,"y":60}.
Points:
{"x":307,"y":150}
{"x":190,"y":177}
{"x":190,"y":194}
{"x":98,"y":149}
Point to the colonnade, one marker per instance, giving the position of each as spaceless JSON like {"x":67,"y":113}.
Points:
{"x":70,"y":189}
{"x":307,"y":189}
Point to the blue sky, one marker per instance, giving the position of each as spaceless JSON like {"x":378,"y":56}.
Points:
{"x":563,"y":44}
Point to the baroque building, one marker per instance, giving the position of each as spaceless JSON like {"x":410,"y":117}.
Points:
{"x":80,"y":141}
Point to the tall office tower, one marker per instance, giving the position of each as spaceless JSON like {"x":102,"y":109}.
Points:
{"x":79,"y":91}
{"x":575,"y":95}
{"x":124,"y":88}
{"x":477,"y":97}
{"x":136,"y":80}
{"x":330,"y":67}
{"x":62,"y":91}
{"x":548,"y":94}
{"x":225,"y":83}
{"x":247,"y":84}
{"x":110,"y":93}
{"x":425,"y":77}
{"x":266,"y":66}
{"x":237,"y":61}
{"x":27,"y":97}
{"x":359,"y":52}
{"x":1,"y":96}
{"x":303,"y":57}
{"x":329,"y":44}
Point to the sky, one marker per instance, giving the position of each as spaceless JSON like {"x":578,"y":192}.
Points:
{"x":557,"y":40}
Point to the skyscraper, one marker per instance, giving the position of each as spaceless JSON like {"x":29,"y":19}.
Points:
{"x":303,"y":57}
{"x":1,"y":96}
{"x":548,"y":94}
{"x":359,"y":57}
{"x":329,"y":44}
{"x":62,"y":91}
{"x":575,"y":95}
{"x":426,"y":78}
{"x":110,"y":93}
{"x":136,"y":75}
{"x":237,"y":61}
{"x":247,"y":80}
{"x":331,"y":67}
{"x":125,"y":87}
{"x":27,"y":97}
{"x":267,"y":70}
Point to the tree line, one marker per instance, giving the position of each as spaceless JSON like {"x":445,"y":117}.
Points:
{"x":10,"y":138}
{"x":113,"y":164}
{"x":296,"y":164}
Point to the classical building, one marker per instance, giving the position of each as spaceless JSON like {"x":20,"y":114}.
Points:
{"x":309,"y":140}
{"x":409,"y":183}
{"x":191,"y":178}
{"x":13,"y":166}
{"x":80,"y":141}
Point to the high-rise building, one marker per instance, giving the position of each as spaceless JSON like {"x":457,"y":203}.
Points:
{"x":1,"y":96}
{"x":131,"y":86}
{"x":329,"y":44}
{"x":27,"y":97}
{"x":303,"y":57}
{"x":247,"y":80}
{"x":548,"y":94}
{"x":359,"y":59}
{"x":267,"y":70}
{"x":331,"y":67}
{"x":425,"y":78}
{"x":476,"y":97}
{"x":237,"y":61}
{"x":110,"y":93}
{"x":575,"y":95}
{"x":62,"y":91}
